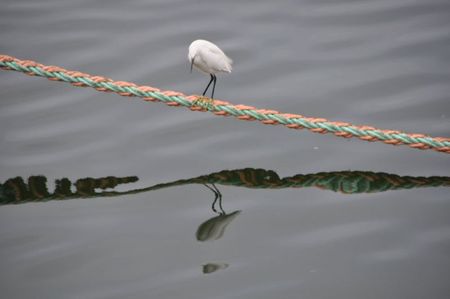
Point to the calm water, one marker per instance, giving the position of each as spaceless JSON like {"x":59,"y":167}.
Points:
{"x":385,"y":63}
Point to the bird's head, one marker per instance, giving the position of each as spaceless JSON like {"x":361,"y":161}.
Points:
{"x":192,"y":62}
{"x":194,"y":49}
{"x":191,"y":57}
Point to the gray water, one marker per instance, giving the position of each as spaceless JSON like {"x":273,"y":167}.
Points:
{"x":384,"y":63}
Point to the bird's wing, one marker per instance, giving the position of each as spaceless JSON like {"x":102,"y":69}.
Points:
{"x":218,"y":60}
{"x":217,"y":51}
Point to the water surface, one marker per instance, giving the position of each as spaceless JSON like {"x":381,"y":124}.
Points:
{"x":382,"y":63}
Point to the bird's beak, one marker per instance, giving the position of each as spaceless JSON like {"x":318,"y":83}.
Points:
{"x":192,"y":63}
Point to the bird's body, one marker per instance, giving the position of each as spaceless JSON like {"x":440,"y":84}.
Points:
{"x":209,"y":58}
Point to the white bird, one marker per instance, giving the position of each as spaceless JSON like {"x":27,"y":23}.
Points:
{"x":208,"y":58}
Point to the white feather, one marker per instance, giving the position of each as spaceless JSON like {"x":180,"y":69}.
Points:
{"x":209,"y":58}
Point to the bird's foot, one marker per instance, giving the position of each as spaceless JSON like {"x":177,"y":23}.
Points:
{"x":204,"y":102}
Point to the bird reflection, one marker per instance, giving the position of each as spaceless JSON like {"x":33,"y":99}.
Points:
{"x":214,"y":228}
{"x":213,"y":267}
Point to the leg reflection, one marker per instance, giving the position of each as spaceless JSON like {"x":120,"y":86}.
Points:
{"x":217,"y":198}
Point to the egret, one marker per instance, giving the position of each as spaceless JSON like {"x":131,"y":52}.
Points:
{"x":210,"y":59}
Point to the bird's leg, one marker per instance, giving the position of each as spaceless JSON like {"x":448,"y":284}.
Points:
{"x":214,"y":86}
{"x":203,"y":100}
{"x":207,"y":86}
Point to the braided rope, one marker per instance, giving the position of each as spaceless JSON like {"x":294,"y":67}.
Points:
{"x":242,"y":112}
